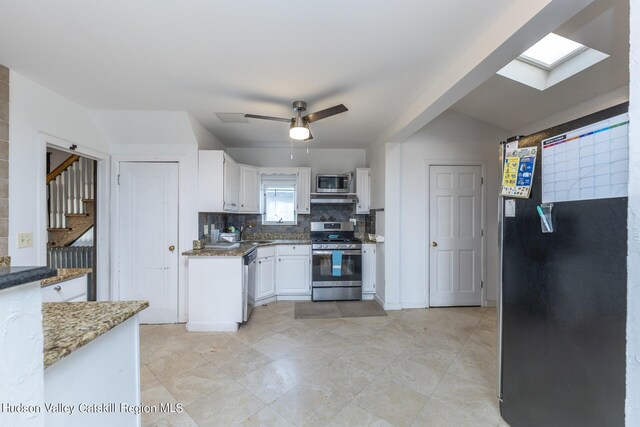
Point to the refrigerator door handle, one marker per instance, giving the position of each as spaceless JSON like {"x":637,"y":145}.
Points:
{"x":499,"y":293}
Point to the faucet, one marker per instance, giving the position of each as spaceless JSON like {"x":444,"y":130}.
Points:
{"x":243,"y":227}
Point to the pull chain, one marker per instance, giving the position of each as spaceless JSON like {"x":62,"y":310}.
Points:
{"x":291,"y":148}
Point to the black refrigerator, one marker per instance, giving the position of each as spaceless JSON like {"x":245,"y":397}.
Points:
{"x":562,"y":304}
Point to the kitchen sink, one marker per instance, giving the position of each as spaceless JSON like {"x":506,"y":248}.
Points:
{"x":222,"y":245}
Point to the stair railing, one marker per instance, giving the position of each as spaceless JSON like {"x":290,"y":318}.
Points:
{"x":68,"y":185}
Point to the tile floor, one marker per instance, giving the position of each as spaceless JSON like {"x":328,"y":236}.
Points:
{"x":422,"y":367}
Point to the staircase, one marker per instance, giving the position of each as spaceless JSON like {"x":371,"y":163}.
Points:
{"x":71,"y":195}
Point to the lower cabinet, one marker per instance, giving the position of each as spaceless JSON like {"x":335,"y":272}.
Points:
{"x":293,"y":272}
{"x":71,"y":290}
{"x":368,"y":268}
{"x":265,"y":278}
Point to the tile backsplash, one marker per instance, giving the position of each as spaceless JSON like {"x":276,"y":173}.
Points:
{"x":319,"y":212}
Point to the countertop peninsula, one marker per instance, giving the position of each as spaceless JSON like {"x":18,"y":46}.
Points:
{"x":65,"y":274}
{"x":68,"y":326}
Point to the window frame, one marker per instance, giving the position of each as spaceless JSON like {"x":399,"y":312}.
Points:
{"x":285,"y":184}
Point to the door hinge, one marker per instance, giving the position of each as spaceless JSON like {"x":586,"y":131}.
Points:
{"x":482,"y":233}
{"x":482,"y":180}
{"x":481,"y":284}
{"x":118,"y":179}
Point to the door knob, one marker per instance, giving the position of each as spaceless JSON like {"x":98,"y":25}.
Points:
{"x":172,"y":248}
{"x":434,"y":244}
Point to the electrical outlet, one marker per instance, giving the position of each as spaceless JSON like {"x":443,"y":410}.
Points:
{"x":25,"y":240}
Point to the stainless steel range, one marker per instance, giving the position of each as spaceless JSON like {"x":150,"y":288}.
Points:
{"x":337,"y":262}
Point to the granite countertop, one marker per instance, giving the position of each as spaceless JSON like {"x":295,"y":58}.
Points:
{"x":65,"y":274}
{"x":68,"y":326}
{"x":15,"y":276}
{"x":244,"y":248}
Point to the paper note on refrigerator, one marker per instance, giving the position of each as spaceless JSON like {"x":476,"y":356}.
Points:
{"x":518,"y":172}
{"x":587,"y":163}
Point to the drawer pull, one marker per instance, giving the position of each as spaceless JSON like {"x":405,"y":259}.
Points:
{"x":57,"y":288}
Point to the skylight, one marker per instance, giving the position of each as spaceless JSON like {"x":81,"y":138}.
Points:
{"x":551,"y":51}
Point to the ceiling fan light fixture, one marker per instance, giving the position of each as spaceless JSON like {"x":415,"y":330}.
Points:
{"x":299,"y":130}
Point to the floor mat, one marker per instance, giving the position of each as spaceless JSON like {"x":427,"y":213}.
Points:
{"x":332,"y":309}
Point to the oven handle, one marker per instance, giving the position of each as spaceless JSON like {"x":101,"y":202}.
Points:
{"x":331,"y":252}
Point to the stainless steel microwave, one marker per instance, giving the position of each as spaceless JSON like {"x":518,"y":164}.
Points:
{"x":333,"y":183}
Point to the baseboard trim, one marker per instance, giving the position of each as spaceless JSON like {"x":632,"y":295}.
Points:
{"x":420,"y":304}
{"x":211,"y":327}
{"x":293,"y":298}
{"x":266,"y":300}
{"x":368,"y":297}
{"x":491,"y":303}
{"x":387,"y":306}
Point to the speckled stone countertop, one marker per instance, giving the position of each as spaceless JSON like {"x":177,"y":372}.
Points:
{"x":15,"y":276}
{"x":244,"y":248}
{"x":68,"y":326}
{"x":65,"y":274}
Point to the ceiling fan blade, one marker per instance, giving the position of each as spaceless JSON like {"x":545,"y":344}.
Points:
{"x":323,"y":114}
{"x":277,"y":119}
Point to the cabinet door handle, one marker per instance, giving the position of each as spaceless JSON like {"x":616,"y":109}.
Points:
{"x":279,"y":259}
{"x":57,"y":288}
{"x":259,"y":262}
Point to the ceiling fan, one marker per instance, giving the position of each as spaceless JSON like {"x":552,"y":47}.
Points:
{"x":299,"y":125}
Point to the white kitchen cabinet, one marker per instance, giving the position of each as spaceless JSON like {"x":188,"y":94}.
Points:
{"x":363,"y":190}
{"x":265,"y":278}
{"x":71,"y":290}
{"x":249,"y":189}
{"x":218,"y":186}
{"x":303,"y":205}
{"x":293,"y":270}
{"x":231,"y":185}
{"x":215,"y":297}
{"x":368,"y":268}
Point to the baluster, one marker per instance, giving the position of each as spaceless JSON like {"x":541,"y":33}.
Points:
{"x":51,"y":194}
{"x":75,"y":177}
{"x":92,"y":187}
{"x":67,"y":191}
{"x":80,"y":185}
{"x":60,"y":202}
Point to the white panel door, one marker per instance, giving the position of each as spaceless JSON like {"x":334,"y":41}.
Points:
{"x":148,"y":238}
{"x":455,"y":242}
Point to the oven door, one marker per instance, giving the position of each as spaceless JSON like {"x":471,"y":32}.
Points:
{"x":325,"y":275}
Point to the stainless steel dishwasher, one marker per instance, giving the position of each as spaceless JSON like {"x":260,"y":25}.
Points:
{"x":249,"y":284}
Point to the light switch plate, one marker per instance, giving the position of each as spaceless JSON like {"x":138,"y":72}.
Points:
{"x":25,"y":240}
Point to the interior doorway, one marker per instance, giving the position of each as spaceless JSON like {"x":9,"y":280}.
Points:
{"x":456,"y":255}
{"x":147,"y":263}
{"x":71,"y":184}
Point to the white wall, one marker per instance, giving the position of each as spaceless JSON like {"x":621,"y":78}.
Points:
{"x":145,"y":127}
{"x":205,"y":139}
{"x":451,"y":137}
{"x":320,"y":160}
{"x":21,"y":364}
{"x":34,"y":110}
{"x":376,"y":161}
{"x":633,"y":262}
{"x":593,"y":105}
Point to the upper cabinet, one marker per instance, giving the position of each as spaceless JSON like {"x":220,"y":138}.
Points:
{"x":363,"y":190}
{"x":231,"y":199}
{"x":217,"y":182}
{"x":304,"y":191}
{"x":249,"y":189}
